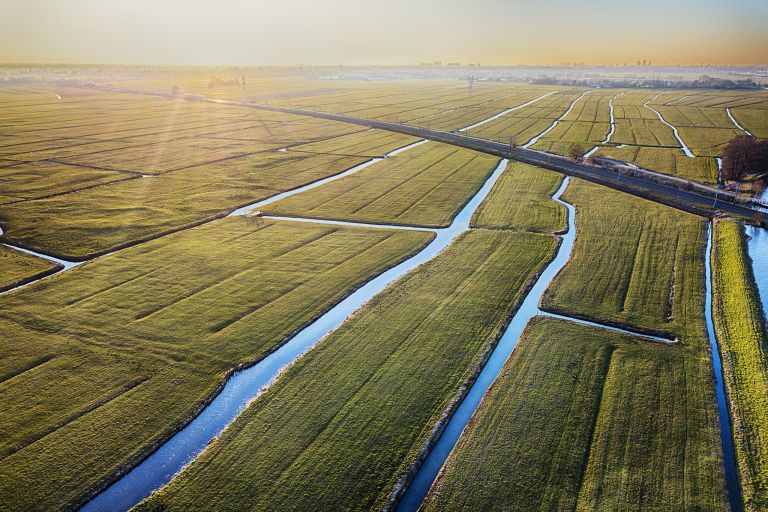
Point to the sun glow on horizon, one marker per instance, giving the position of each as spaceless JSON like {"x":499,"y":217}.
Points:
{"x":492,"y":32}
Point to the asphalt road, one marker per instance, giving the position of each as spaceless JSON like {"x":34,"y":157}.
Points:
{"x":701,"y":200}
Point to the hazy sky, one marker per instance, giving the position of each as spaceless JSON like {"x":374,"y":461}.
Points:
{"x":383,"y":32}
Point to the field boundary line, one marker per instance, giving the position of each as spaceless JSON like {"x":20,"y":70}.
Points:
{"x":30,"y":366}
{"x":219,"y":328}
{"x":588,"y":455}
{"x":669,"y":313}
{"x":89,"y":409}
{"x":644,"y":232}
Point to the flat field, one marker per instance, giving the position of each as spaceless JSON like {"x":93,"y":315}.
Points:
{"x":105,"y":359}
{"x":524,"y":124}
{"x":645,"y":271}
{"x":369,"y":143}
{"x":705,"y":129}
{"x":666,"y":160}
{"x":754,"y":119}
{"x":442,"y":105}
{"x":579,"y":419}
{"x":25,"y":181}
{"x":638,"y":125}
{"x":17,"y":267}
{"x":587,"y":125}
{"x":708,"y":108}
{"x":425,"y":186}
{"x":586,"y":419}
{"x":97,"y":220}
{"x":522,"y":200}
{"x":339,"y":428}
{"x":702,"y":119}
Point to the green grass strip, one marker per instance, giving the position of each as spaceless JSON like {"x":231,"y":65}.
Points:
{"x":741,"y":335}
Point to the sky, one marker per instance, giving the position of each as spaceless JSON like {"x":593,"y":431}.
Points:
{"x":355,"y":32}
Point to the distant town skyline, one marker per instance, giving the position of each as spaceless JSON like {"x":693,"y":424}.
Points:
{"x":491,"y":32}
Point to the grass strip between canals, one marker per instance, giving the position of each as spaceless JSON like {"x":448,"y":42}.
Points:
{"x":743,"y":345}
{"x":588,"y":419}
{"x":425,"y":186}
{"x":521,"y":201}
{"x":340,"y":426}
{"x":580,"y":418}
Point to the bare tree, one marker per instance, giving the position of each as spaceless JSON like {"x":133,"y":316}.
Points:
{"x":575,"y":152}
{"x":744,"y":156}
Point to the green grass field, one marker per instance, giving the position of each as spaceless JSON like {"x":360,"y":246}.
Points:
{"x":586,"y":125}
{"x":103,"y":218}
{"x":437,"y":104}
{"x":369,"y":143}
{"x":754,"y":119}
{"x":213,"y":158}
{"x":205,"y":160}
{"x":525,"y":123}
{"x":639,"y":125}
{"x":462,"y":114}
{"x":342,"y":424}
{"x":665,"y":160}
{"x":132,"y":133}
{"x":522,"y":200}
{"x":425,"y":186}
{"x":26,"y":181}
{"x":706,"y":108}
{"x":634,"y":262}
{"x":585,"y":419}
{"x":706,"y":130}
{"x":103,"y":360}
{"x":16,"y":267}
{"x":743,"y":345}
{"x":579,"y":419}
{"x":701,"y":119}
{"x":101,"y":363}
